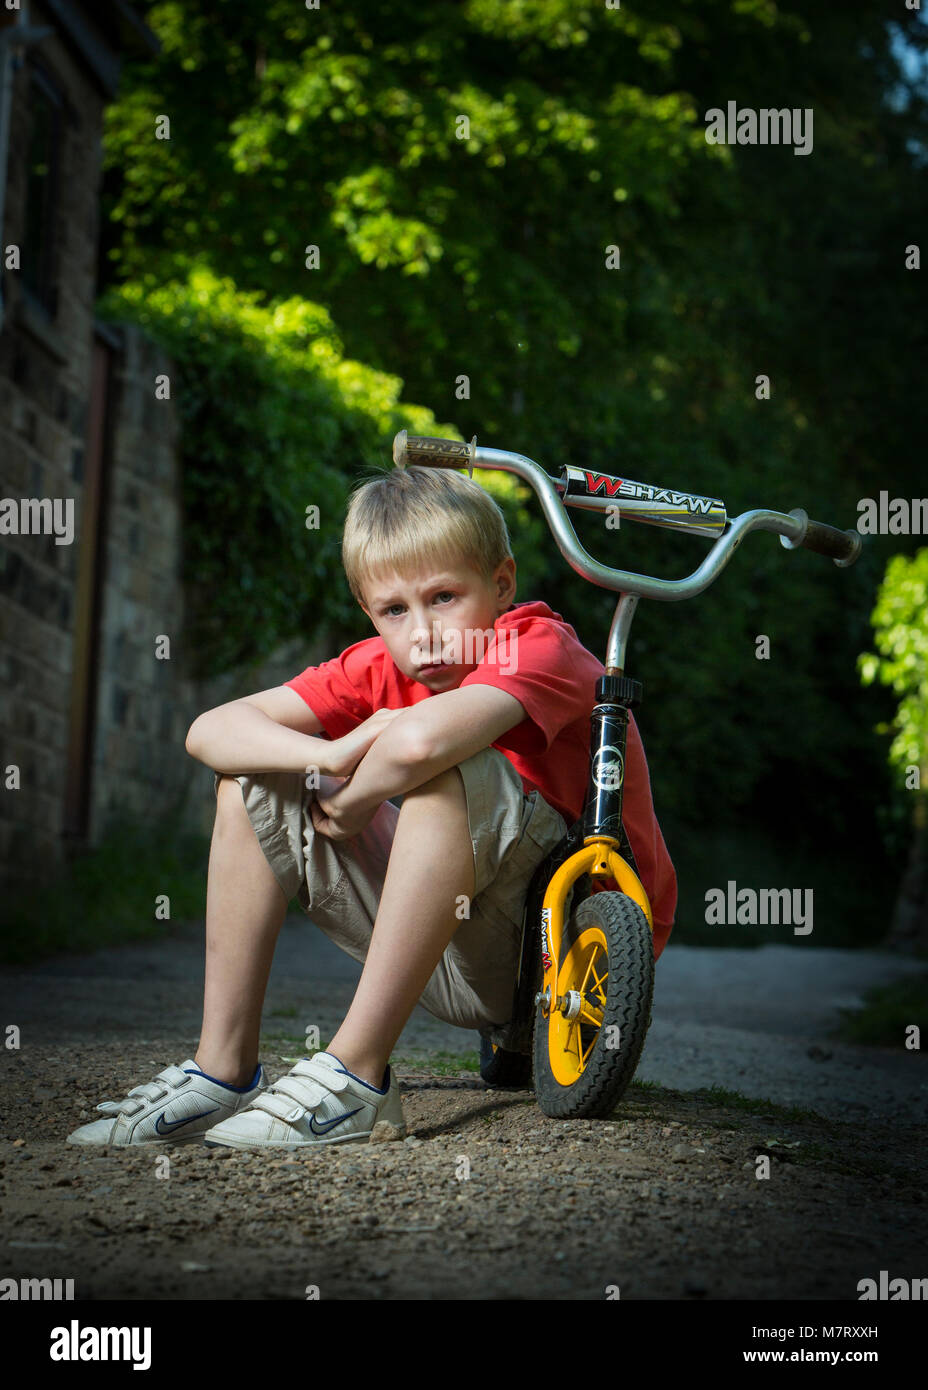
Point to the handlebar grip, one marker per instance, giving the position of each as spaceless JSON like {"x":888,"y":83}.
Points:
{"x":427,"y":450}
{"x":841,"y":546}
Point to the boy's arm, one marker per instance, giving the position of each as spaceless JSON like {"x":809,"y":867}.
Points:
{"x":271,"y":731}
{"x":423,"y":741}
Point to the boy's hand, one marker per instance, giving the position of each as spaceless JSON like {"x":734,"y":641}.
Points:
{"x":336,"y":822}
{"x":335,"y":816}
{"x":350,"y":748}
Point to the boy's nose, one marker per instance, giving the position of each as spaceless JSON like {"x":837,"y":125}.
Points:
{"x":426,"y":644}
{"x":424,"y":635}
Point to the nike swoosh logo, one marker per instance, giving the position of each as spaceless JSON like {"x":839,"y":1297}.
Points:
{"x":163,"y":1126}
{"x":330,"y":1124}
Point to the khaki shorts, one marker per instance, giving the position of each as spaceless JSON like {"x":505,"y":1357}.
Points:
{"x":339,"y":882}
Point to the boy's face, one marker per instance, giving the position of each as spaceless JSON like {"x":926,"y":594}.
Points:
{"x":438,"y":622}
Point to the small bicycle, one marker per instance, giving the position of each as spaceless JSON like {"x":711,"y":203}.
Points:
{"x":582,"y":1001}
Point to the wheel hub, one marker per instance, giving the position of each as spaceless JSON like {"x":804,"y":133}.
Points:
{"x":571,"y":1003}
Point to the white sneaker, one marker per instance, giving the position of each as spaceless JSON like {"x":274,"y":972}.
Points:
{"x":176,"y":1108}
{"x":318,"y":1102}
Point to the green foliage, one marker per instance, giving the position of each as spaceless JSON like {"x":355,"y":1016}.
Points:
{"x":95,"y":900}
{"x":888,"y":1011}
{"x":900,"y":623}
{"x":274,"y":420}
{"x":487,"y":257}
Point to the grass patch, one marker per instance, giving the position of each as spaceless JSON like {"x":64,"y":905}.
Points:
{"x":107,"y":896}
{"x":278,"y":1044}
{"x":887,"y":1012}
{"x":788,"y":1114}
{"x":443,"y":1063}
{"x":663,"y":1101}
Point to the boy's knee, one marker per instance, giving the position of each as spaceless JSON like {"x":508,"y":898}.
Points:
{"x":450,"y":781}
{"x":225,"y":781}
{"x":229,"y":792}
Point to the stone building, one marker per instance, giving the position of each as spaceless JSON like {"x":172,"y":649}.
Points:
{"x":92,"y":722}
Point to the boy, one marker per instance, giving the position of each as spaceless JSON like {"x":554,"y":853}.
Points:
{"x":475,"y":710}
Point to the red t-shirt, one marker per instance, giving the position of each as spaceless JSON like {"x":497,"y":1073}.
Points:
{"x":554,"y":679}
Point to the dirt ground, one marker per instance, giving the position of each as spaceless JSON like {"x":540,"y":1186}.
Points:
{"x":486,"y":1199}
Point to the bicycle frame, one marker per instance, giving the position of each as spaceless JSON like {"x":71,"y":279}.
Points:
{"x":596,"y":844}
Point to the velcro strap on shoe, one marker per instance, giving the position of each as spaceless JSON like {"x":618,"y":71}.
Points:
{"x":164,"y":1083}
{"x":130,"y":1106}
{"x":175,"y":1076}
{"x":318,"y":1071}
{"x":279,"y":1106}
{"x":306,"y":1093}
{"x":308,"y":1083}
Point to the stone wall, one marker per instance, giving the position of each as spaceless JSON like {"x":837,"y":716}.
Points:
{"x":147,"y":704}
{"x":144,"y":705}
{"x":140,"y":707}
{"x":44,"y":379}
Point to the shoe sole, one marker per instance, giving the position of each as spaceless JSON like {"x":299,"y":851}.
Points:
{"x":163,"y":1141}
{"x":388,"y":1133}
{"x":140,"y":1144}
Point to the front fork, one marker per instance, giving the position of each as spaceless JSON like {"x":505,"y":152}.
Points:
{"x":595,"y":845}
{"x":598,"y":846}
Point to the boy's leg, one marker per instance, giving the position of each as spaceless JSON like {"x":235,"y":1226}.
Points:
{"x":245,"y":909}
{"x":431,"y":865}
{"x":389,"y":897}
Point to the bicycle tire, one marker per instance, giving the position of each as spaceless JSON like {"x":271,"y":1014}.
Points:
{"x":614,"y":926}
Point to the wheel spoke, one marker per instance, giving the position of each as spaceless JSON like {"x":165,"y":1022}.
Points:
{"x":584,"y":971}
{"x":591,"y":1015}
{"x":589,"y":966}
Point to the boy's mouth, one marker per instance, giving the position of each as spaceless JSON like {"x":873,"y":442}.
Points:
{"x":433,"y":669}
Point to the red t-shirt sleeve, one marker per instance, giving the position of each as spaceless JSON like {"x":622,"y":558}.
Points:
{"x":339,"y":691}
{"x":537,"y":662}
{"x":644,"y":836}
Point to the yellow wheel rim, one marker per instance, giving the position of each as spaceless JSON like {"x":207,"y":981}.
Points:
{"x":584,"y":969}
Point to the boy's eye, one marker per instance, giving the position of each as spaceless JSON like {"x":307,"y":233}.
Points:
{"x":445,"y":594}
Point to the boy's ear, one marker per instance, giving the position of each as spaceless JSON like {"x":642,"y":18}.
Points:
{"x":506,"y":576}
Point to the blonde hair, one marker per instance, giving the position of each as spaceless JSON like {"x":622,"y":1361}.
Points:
{"x":408,"y":518}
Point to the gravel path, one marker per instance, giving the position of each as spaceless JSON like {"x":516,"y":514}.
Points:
{"x":746,"y":1020}
{"x":663,"y":1200}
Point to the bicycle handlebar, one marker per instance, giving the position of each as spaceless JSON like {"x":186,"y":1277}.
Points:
{"x":639,"y":502}
{"x":842,"y":546}
{"x":437,"y":453}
